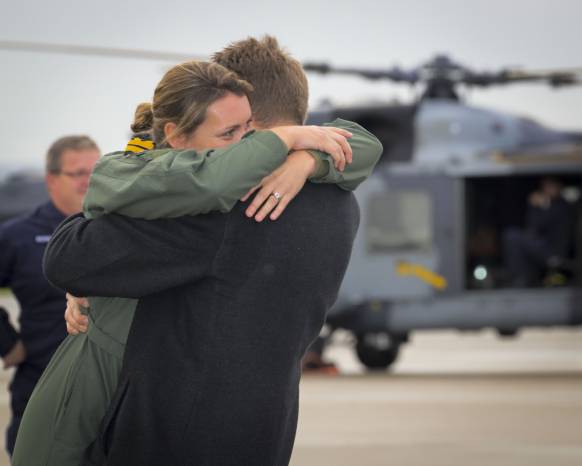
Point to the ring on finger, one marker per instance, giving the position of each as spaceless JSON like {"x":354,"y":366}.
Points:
{"x":277,"y":195}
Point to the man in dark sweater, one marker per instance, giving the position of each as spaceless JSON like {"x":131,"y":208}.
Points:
{"x":212,"y":365}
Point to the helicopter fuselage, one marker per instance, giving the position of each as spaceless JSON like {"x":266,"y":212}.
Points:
{"x":461,"y":179}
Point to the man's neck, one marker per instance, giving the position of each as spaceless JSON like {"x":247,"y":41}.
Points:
{"x":63,"y":208}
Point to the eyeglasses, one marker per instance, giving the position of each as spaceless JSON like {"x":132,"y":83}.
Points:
{"x":76,"y":175}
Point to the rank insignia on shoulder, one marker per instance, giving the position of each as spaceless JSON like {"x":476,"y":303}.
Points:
{"x":139,"y":144}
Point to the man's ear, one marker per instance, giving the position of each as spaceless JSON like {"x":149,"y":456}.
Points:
{"x":174,"y":142}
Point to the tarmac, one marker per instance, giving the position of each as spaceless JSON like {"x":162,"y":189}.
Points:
{"x":451,"y":399}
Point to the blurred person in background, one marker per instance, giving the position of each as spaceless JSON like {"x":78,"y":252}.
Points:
{"x":69,"y":163}
{"x":545,"y":241}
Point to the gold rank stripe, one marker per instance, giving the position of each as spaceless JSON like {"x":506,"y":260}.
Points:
{"x":136,"y":145}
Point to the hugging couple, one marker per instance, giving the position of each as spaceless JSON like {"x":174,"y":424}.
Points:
{"x":210,"y":251}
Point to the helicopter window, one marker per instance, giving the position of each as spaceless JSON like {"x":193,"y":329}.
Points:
{"x":399,"y":221}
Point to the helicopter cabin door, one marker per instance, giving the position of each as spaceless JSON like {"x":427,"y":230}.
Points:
{"x":410,"y":242}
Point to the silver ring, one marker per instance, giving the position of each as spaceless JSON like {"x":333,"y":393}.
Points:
{"x":277,"y":195}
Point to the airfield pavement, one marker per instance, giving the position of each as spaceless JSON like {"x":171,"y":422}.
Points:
{"x":451,"y":399}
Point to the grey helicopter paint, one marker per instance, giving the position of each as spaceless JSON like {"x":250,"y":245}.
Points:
{"x":411,"y":267}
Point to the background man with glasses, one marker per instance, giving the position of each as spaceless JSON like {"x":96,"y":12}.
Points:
{"x":69,"y":163}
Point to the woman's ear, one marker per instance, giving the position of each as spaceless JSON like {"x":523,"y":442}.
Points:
{"x":173,"y":141}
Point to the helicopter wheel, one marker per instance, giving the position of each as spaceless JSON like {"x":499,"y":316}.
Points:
{"x":377,"y":351}
{"x":507,"y":333}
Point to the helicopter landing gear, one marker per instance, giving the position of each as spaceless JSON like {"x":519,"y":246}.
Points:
{"x":377,"y":351}
{"x":507,"y":332}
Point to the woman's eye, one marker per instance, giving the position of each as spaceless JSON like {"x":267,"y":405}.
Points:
{"x":228,"y":134}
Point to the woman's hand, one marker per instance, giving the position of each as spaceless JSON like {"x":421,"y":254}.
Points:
{"x":76,"y":321}
{"x":327,"y":139}
{"x":280,"y":187}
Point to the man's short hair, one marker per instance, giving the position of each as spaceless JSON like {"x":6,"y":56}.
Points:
{"x":280,"y":86}
{"x":56,"y":150}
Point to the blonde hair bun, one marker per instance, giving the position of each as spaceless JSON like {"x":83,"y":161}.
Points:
{"x":143,"y":119}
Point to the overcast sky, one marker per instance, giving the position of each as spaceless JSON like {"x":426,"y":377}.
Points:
{"x":44,"y":96}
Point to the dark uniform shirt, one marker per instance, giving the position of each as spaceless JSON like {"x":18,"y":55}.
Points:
{"x":22,"y":244}
{"x":554,"y":225}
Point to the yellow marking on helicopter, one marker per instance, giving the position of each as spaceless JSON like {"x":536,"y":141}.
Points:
{"x":421,"y":272}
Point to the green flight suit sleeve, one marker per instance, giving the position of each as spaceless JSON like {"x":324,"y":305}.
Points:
{"x":366,"y":149}
{"x":172,"y":183}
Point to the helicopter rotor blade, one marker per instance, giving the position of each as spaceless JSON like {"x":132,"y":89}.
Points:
{"x":555,"y":78}
{"x":110,"y":52}
{"x":393,"y":74}
{"x":449,"y":71}
{"x":441,"y":68}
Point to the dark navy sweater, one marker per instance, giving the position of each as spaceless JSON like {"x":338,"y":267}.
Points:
{"x":22,"y":244}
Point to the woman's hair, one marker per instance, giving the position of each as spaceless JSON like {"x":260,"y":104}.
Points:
{"x":183,"y":96}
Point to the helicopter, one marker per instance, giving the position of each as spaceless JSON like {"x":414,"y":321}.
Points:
{"x":452,"y":179}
